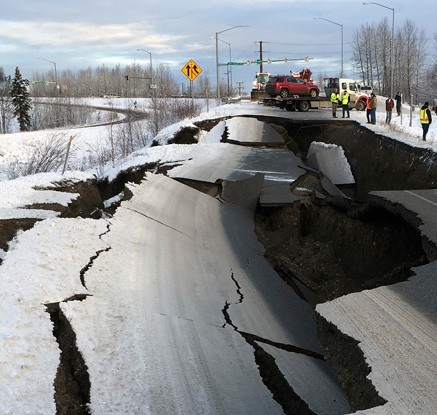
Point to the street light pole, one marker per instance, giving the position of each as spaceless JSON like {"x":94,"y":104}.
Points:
{"x":153,"y":95}
{"x":338,"y":24}
{"x":151,"y":67}
{"x":392,"y":59}
{"x":229,"y":73}
{"x":56,"y":73}
{"x":217,"y":56}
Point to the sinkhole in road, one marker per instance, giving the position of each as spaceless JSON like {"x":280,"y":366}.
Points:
{"x":329,"y":246}
{"x":326,"y":247}
{"x":335,"y":246}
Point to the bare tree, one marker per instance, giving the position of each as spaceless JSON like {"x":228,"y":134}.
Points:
{"x":371,"y":54}
{"x":6,"y":112}
{"x":411,"y":59}
{"x":383,"y":54}
{"x":364,"y":53}
{"x":431,"y":77}
{"x":46,"y":156}
{"x":202,"y":85}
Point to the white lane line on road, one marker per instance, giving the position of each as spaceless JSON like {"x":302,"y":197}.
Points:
{"x":420,"y":197}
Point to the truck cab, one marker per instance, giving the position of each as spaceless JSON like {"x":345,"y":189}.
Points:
{"x":258,"y":86}
{"x":358,"y":98}
{"x":261,"y":78}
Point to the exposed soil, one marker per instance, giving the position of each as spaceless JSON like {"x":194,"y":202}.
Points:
{"x":10,"y":227}
{"x":325,"y":247}
{"x":349,"y":364}
{"x":377,"y":162}
{"x":335,"y":246}
{"x":72,"y":383}
{"x":89,"y":204}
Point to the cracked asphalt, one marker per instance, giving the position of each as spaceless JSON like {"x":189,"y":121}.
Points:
{"x":192,"y":305}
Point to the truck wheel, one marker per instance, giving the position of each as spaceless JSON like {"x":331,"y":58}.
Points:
{"x":313,"y":93}
{"x":360,"y":105}
{"x":284,"y":93}
{"x":304,"y":106}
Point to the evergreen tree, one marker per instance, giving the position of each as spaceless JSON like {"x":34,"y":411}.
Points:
{"x":21,"y":100}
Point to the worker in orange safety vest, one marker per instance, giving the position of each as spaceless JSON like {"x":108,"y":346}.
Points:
{"x":368,"y":110}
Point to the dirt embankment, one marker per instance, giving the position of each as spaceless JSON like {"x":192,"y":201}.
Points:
{"x":335,"y":246}
{"x":377,"y":162}
{"x":325,"y":246}
{"x":88,"y":204}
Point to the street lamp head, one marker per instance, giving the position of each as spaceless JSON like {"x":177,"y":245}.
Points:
{"x":327,"y":20}
{"x":234,"y":27}
{"x":378,"y":4}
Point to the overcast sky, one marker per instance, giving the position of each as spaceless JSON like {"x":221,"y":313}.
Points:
{"x":77,"y":34}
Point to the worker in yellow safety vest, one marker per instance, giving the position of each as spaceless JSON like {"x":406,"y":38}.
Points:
{"x":345,"y":103}
{"x":425,"y":119}
{"x":335,"y":97}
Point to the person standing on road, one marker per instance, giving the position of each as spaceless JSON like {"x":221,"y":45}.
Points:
{"x":335,"y":97}
{"x":425,"y":119}
{"x":389,"y":104}
{"x":345,"y":103}
{"x":398,"y":98}
{"x":373,"y":105}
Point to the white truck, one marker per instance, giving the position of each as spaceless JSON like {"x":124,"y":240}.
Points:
{"x":258,"y":86}
{"x":358,"y":98}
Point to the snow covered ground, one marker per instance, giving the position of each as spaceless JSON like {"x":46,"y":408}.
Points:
{"x":34,"y":273}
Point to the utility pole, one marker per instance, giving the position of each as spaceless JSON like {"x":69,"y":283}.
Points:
{"x":240,"y":87}
{"x":261,"y":56}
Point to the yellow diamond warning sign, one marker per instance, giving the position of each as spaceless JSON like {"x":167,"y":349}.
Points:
{"x":191,"y":70}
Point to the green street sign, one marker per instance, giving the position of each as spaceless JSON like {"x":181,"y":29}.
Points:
{"x":236,"y":63}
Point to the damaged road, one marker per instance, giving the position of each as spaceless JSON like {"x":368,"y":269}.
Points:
{"x":35,"y":330}
{"x":180,"y":307}
{"x":168,"y":277}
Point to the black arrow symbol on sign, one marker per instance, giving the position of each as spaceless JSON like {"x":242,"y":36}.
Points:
{"x":195,"y":69}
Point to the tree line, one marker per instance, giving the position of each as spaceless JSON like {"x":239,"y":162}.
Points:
{"x":414,"y":74}
{"x":19,"y":97}
{"x":131,"y":81}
